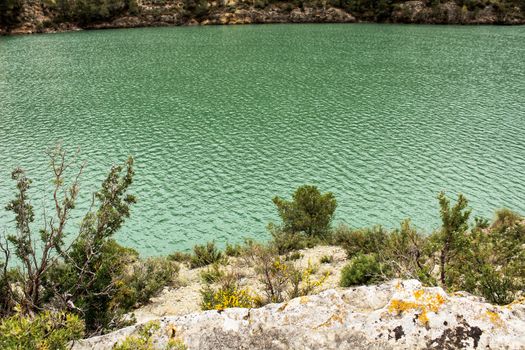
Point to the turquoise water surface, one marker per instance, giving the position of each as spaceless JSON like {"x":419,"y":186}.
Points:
{"x":221,"y":119}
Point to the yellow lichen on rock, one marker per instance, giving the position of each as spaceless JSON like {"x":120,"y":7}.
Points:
{"x":495,"y":318}
{"x":423,"y":302}
{"x":336,"y":317}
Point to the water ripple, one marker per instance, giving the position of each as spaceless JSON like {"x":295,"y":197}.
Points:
{"x":221,"y":119}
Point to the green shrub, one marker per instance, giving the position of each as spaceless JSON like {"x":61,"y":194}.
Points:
{"x":204,"y":255}
{"x":212,"y":275}
{"x":361,"y":241}
{"x":505,"y":219}
{"x":143,"y":340}
{"x":47,"y":330}
{"x":181,"y":257}
{"x":362,"y":269}
{"x":233,"y":250}
{"x":326,"y":259}
{"x":227,"y":297}
{"x":309,"y":211}
{"x":147,"y":278}
{"x":293,"y":256}
{"x":101,"y":298}
{"x":286,"y":242}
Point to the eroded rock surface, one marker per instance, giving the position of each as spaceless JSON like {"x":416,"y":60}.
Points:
{"x":395,"y":315}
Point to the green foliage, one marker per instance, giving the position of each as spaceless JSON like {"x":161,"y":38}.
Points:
{"x":362,"y":269}
{"x":281,"y":280}
{"x":212,"y":275}
{"x":204,"y":255}
{"x":293,"y":256}
{"x":97,"y":295}
{"x":9,"y":12}
{"x":309,"y":211}
{"x":47,"y":330}
{"x":233,"y":250}
{"x":146,"y":279}
{"x":326,"y":259}
{"x":506,"y":219}
{"x":87,"y":12}
{"x":95,"y":262}
{"x":494,"y":264}
{"x":451,"y":240}
{"x":285,"y":241}
{"x":361,"y":241}
{"x":143,"y":340}
{"x":181,"y":257}
{"x":226,"y":297}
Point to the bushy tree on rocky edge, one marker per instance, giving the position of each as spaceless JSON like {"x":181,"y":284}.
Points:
{"x":79,"y":276}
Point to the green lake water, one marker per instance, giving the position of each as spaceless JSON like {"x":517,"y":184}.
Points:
{"x":221,"y":119}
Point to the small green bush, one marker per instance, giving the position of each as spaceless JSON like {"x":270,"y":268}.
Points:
{"x":147,"y":278}
{"x":293,"y":256}
{"x":363,"y":269}
{"x":505,"y":219}
{"x":181,"y":257}
{"x":47,"y":330}
{"x":286,"y":242}
{"x":205,"y":255}
{"x":361,"y":241}
{"x":309,"y":211}
{"x":233,"y":250}
{"x":326,"y":259}
{"x":212,"y":275}
{"x":143,"y":340}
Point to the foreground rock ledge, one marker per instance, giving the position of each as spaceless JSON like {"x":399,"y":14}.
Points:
{"x":400,"y":314}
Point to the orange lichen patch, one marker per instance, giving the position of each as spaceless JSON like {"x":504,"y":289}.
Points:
{"x":282,"y":307}
{"x":303,"y":300}
{"x":519,"y":301}
{"x":495,"y":318}
{"x":419,"y":293}
{"x":423,"y":303}
{"x":337,"y":317}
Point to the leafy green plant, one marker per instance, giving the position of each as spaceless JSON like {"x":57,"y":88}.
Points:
{"x":362,"y":269}
{"x":142,"y":340}
{"x":309,"y":211}
{"x":205,"y":255}
{"x":212,"y":275}
{"x":181,"y":257}
{"x":362,"y":241}
{"x":227,"y":297}
{"x":326,"y":259}
{"x":451,"y":239}
{"x":146,"y":279}
{"x":293,"y":256}
{"x":233,"y":250}
{"x":46,"y":330}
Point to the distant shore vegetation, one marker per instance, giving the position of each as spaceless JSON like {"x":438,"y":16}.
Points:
{"x":57,"y":15}
{"x":55,"y":288}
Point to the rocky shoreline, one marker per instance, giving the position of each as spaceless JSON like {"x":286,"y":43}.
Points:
{"x":400,"y":314}
{"x":37,"y":18}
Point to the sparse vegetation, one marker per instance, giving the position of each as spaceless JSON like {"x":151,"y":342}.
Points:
{"x":205,"y":255}
{"x":46,"y":330}
{"x":362,"y":269}
{"x":326,"y":259}
{"x":92,"y":282}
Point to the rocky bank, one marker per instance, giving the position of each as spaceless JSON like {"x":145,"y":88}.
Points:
{"x":400,"y":314}
{"x":40,"y":17}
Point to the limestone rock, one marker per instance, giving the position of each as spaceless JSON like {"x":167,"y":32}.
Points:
{"x":395,"y":315}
